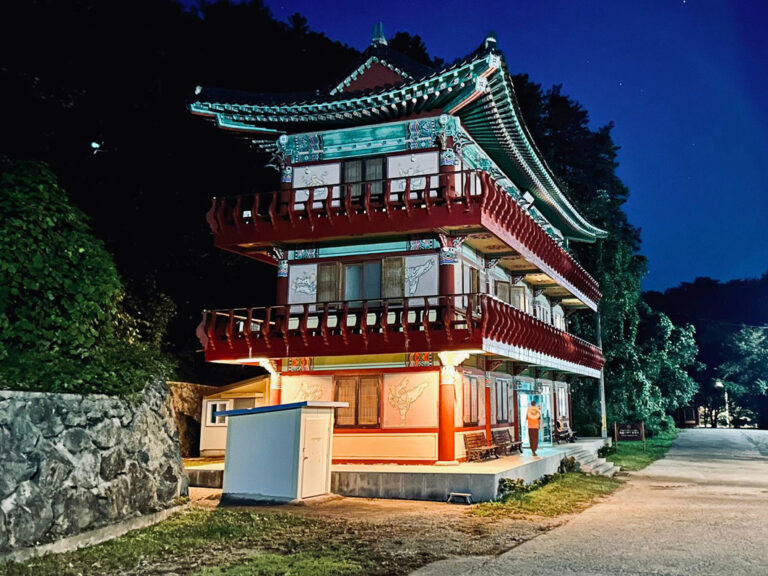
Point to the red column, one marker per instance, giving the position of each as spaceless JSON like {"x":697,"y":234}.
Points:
{"x":447,"y":278}
{"x":446,"y":435}
{"x":275,"y":389}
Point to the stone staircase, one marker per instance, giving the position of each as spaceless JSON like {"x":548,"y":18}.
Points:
{"x":590,"y":463}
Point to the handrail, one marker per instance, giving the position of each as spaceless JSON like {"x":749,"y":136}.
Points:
{"x":437,"y":318}
{"x":308,"y":206}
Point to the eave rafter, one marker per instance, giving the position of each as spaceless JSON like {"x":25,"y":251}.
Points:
{"x":478,"y":90}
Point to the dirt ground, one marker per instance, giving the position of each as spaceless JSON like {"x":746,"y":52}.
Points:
{"x":415,"y":528}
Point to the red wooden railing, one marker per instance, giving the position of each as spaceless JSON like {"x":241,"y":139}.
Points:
{"x":287,"y":209}
{"x":430,"y":201}
{"x":384,"y":326}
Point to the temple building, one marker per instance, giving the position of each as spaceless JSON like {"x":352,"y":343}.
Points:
{"x":420,"y":243}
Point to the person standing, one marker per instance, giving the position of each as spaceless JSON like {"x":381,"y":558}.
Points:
{"x":534,"y":421}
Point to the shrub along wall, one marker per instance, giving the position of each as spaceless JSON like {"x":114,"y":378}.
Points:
{"x":70,"y":463}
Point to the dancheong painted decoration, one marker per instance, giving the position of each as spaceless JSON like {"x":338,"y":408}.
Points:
{"x":420,"y":244}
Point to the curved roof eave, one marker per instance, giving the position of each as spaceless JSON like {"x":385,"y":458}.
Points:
{"x":597,"y":232}
{"x":514,"y":142}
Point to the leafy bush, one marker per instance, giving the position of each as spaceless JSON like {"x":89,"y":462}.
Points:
{"x":568,"y":465}
{"x":63,"y":324}
{"x":589,"y":431}
{"x":605,"y":451}
{"x":511,"y":488}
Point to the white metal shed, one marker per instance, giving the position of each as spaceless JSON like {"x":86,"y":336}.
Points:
{"x":279,"y":453}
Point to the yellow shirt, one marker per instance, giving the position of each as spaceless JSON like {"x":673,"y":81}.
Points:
{"x":533,"y":416}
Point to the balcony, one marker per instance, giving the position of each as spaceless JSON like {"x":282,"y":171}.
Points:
{"x":457,"y":203}
{"x":424,"y":324}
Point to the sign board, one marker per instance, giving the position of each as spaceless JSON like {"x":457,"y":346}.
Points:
{"x":629,"y":432}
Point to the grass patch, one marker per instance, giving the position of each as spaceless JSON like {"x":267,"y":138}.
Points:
{"x":630,"y":455}
{"x":221,"y":541}
{"x":565,"y":494}
{"x":277,"y":565}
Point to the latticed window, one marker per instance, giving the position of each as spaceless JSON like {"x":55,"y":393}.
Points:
{"x":502,"y":401}
{"x":329,"y":282}
{"x":517,"y":298}
{"x":471,"y":398}
{"x":357,"y":172}
{"x":392,"y":277}
{"x":501,"y":290}
{"x":363,"y":393}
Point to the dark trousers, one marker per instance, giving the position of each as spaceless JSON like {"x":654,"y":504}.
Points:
{"x":533,"y":439}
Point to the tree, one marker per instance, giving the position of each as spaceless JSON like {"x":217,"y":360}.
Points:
{"x":669,"y":357}
{"x":414,"y":47}
{"x":718,"y":310}
{"x":62,"y":324}
{"x":746,"y":373}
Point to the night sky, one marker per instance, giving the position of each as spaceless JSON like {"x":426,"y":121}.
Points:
{"x":685,"y":82}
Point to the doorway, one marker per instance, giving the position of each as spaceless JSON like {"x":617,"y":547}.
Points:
{"x":316,"y":457}
{"x":543,"y":401}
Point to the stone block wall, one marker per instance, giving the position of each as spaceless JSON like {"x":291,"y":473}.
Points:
{"x":71,"y":463}
{"x":187,"y":403}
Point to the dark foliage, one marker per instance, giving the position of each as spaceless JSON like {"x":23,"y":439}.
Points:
{"x":81,"y":71}
{"x":720,"y":311}
{"x":64,"y":325}
{"x":78,"y":72}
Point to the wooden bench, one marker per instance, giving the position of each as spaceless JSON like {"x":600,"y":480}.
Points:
{"x":503,"y":439}
{"x":477,"y":448}
{"x":563,"y":432}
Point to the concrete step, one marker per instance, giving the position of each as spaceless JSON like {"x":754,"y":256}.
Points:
{"x":205,"y":478}
{"x":604,"y":469}
{"x":590,"y":460}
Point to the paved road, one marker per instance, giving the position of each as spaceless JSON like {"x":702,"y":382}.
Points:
{"x":702,"y":510}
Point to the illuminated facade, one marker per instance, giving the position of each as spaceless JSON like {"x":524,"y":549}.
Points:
{"x":420,"y":243}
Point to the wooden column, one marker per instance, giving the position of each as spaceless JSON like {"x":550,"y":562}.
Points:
{"x":450,"y":377}
{"x":446,"y":435}
{"x":275,"y":384}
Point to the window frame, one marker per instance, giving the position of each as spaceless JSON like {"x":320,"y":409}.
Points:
{"x":337,"y":271}
{"x":469,"y":383}
{"x":506,"y":286}
{"x":502,"y":401}
{"x":363,"y":265}
{"x":357,"y":378}
{"x":377,"y":187}
{"x":220,"y":420}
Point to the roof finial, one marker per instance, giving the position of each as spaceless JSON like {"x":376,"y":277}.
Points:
{"x":490,"y":40}
{"x":377,"y":36}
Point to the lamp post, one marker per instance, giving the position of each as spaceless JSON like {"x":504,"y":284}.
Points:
{"x":719,"y":384}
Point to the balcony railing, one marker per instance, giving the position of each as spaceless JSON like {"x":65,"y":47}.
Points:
{"x":406,"y":204}
{"x":358,"y":201}
{"x":385,"y":326}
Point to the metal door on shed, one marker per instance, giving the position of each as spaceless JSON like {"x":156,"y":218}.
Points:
{"x":316,"y":455}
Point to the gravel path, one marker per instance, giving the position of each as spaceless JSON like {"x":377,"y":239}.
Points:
{"x":702,"y":510}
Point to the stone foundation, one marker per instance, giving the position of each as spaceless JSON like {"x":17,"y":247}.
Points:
{"x":71,"y":463}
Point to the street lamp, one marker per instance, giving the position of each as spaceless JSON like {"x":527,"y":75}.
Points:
{"x":719,"y":384}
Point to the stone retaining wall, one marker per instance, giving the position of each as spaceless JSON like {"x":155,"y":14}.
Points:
{"x":187,"y":402}
{"x":71,"y":463}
